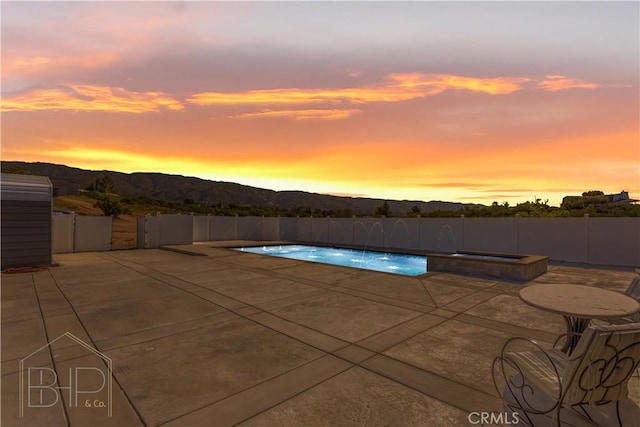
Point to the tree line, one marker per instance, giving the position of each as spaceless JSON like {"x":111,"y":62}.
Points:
{"x":592,"y":204}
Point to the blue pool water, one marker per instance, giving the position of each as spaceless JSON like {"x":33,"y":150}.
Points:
{"x":408,"y":265}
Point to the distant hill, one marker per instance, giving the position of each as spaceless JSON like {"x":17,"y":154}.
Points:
{"x":70,"y":180}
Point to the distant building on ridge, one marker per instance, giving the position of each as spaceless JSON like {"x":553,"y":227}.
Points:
{"x":596,"y":198}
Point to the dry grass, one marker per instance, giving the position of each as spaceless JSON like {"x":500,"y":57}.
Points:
{"x":81,"y":205}
{"x":124,"y":232}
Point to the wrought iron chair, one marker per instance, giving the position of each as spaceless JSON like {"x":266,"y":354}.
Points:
{"x":633,"y":291}
{"x":546,"y":387}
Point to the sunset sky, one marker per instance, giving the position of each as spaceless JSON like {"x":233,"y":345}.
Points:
{"x":457,"y":101}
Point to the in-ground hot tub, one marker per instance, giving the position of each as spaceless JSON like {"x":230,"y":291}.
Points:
{"x":520,"y":268}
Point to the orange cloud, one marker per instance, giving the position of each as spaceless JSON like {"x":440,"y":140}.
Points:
{"x":90,"y":98}
{"x":299,"y":96}
{"x":441,"y":82}
{"x":34,"y":65}
{"x":555,"y":83}
{"x":317,"y":114}
{"x":399,"y":87}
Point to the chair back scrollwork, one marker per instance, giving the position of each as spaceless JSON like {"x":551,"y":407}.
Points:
{"x":539,"y":383}
{"x":605,"y":359}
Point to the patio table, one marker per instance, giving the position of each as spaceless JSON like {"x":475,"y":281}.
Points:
{"x":578,"y":304}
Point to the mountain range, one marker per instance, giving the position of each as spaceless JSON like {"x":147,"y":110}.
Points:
{"x":70,"y":180}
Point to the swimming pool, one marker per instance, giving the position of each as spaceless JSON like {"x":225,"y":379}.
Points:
{"x":408,"y":265}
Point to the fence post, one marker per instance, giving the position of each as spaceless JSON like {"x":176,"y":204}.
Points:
{"x":462,"y":243}
{"x":353,"y":230}
{"x":73,"y":233}
{"x":587,"y":238}
{"x":516,"y":218}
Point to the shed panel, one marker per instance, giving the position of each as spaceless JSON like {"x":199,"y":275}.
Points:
{"x":26,"y":220}
{"x":26,"y":259}
{"x":12,"y":231}
{"x":26,"y":236}
{"x":16,"y":225}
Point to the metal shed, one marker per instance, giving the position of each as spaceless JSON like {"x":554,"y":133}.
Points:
{"x":26,"y":219}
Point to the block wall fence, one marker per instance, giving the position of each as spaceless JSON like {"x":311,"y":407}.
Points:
{"x":604,"y":241}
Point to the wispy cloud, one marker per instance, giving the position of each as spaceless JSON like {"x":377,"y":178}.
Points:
{"x":556,"y":83}
{"x":398,"y":87}
{"x":456,"y":185}
{"x":312,"y":114}
{"x":42,"y":64}
{"x":90,"y":98}
{"x":434,"y":84}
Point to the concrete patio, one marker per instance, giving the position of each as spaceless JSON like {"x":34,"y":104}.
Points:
{"x":201,"y":336}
